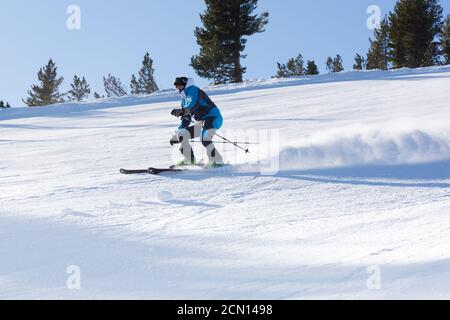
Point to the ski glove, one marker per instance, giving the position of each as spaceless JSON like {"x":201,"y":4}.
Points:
{"x":177,"y":112}
{"x":174,"y":140}
{"x":186,"y":121}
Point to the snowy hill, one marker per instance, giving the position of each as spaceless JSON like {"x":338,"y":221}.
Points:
{"x":362,"y":185}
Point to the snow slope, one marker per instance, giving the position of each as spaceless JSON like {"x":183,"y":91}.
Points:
{"x":354,"y":187}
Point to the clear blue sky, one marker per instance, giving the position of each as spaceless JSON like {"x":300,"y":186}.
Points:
{"x":115,"y":35}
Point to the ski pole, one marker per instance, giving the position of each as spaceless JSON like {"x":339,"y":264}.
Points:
{"x":233,"y":143}
{"x":224,"y":142}
{"x":228,"y":141}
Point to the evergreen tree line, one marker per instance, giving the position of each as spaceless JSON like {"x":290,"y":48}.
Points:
{"x":47,"y":92}
{"x":4,"y":105}
{"x":414,"y":35}
{"x":295,"y":67}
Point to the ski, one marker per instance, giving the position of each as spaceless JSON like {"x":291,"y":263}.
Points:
{"x":154,"y":171}
{"x":125,"y":171}
{"x":171,"y":169}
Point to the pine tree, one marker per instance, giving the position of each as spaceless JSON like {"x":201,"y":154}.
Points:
{"x":282,"y":72}
{"x":146,"y":83}
{"x":222,"y":38}
{"x":113,"y":87}
{"x":335,"y":65}
{"x":414,"y":24}
{"x":312,"y":68}
{"x":80,"y":89}
{"x":445,"y":40}
{"x":379,"y":53}
{"x":3,"y":106}
{"x":360,"y":62}
{"x":134,"y":85}
{"x":338,"y":64}
{"x":47,"y":92}
{"x":295,"y":67}
{"x":329,"y":64}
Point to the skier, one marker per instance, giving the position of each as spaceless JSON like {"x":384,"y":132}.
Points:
{"x":196,"y":103}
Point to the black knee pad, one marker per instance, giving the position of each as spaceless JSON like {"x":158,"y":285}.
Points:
{"x":206,"y":143}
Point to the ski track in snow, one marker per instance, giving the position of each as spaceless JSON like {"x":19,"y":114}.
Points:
{"x":364,"y":181}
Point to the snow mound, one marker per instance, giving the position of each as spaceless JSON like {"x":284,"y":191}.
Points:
{"x":164,"y":196}
{"x":373,"y":147}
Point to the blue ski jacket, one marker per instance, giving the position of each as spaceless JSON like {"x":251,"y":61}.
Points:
{"x":200,"y":106}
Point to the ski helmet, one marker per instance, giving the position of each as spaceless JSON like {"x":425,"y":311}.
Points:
{"x":181,"y":81}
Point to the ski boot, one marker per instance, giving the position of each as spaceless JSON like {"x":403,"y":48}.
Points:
{"x":186,"y":163}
